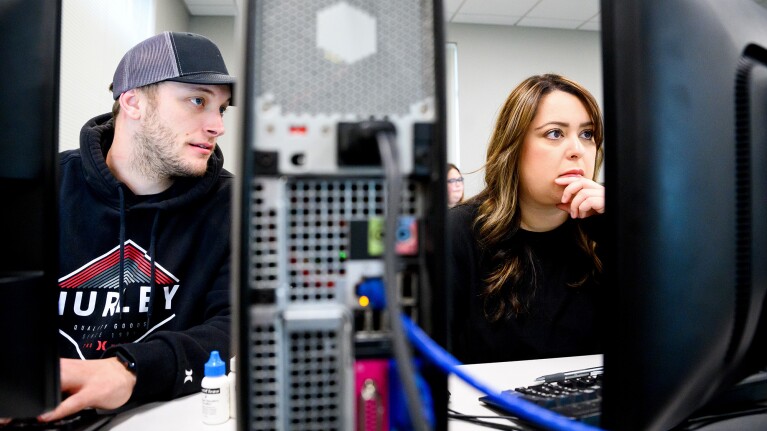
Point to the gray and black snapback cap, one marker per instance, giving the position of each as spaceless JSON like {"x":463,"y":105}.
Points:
{"x":170,"y":56}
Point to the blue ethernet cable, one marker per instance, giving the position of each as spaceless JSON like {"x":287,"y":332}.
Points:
{"x":519,"y":407}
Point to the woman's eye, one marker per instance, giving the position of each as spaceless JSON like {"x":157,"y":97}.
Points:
{"x":554,"y":134}
{"x":587,"y":135}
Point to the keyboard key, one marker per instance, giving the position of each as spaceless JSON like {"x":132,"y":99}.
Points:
{"x":579,"y":398}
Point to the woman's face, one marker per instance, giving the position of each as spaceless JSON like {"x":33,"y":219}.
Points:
{"x":454,"y":187}
{"x":559,"y":142}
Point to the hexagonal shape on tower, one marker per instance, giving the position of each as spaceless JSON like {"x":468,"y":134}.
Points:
{"x":346,"y":33}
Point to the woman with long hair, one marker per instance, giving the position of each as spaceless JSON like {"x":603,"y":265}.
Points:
{"x":524,"y":256}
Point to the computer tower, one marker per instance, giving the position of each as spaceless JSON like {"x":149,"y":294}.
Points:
{"x":325,"y":84}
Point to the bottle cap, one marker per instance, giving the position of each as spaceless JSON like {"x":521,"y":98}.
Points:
{"x":215,"y":366}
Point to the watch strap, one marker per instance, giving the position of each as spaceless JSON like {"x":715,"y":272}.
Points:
{"x":129,"y":364}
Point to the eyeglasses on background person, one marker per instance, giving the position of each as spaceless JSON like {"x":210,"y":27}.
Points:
{"x":454,"y":186}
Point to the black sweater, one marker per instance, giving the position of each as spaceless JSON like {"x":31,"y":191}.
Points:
{"x":145,"y":275}
{"x":560,"y":320}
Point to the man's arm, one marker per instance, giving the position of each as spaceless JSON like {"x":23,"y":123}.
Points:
{"x":170,"y":364}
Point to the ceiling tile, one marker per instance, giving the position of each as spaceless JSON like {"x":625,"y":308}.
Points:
{"x":591,"y":25}
{"x":451,"y":7}
{"x":498,"y":7}
{"x":211,"y":2}
{"x":471,"y":18}
{"x":594,"y":24}
{"x":580,"y":10}
{"x":571,"y":14}
{"x":212,"y":7}
{"x":550,"y":23}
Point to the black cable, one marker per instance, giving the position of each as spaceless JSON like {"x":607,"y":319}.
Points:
{"x":452,"y":414}
{"x":387,"y":146}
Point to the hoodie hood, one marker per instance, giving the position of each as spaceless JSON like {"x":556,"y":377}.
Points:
{"x":148,"y":278}
{"x":95,"y":140}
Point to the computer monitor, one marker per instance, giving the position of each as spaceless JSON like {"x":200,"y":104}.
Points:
{"x":29,"y":49}
{"x":686,"y":183}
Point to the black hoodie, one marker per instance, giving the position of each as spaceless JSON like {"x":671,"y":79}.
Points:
{"x":144,"y":275}
{"x":559,"y":320}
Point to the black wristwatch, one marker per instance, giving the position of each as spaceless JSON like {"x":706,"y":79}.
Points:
{"x":129,"y":364}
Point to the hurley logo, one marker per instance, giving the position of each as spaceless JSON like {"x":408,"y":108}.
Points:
{"x":97,"y":310}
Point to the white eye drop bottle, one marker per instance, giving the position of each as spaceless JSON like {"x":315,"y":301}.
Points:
{"x":232,"y":377}
{"x":215,"y":391}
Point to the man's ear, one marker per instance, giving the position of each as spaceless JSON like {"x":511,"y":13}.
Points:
{"x":131,"y":103}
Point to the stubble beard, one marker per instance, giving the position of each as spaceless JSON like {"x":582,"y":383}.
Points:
{"x":153,"y":152}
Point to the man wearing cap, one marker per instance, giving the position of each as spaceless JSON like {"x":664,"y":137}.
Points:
{"x":145,"y":219}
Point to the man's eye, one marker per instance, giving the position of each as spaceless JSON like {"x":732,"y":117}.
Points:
{"x":199,"y":101}
{"x":554,"y":134}
{"x":222,"y":110}
{"x":587,"y":135}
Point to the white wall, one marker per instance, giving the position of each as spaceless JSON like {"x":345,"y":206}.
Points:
{"x":222,"y":31}
{"x":493,"y":59}
{"x":170,"y":15}
{"x":96,"y":34}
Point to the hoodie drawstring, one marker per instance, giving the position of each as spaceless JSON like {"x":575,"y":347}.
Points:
{"x":152,"y":243}
{"x":152,"y":251}
{"x":120,"y":287}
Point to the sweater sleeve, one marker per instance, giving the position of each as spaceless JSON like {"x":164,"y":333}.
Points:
{"x":462,"y":272}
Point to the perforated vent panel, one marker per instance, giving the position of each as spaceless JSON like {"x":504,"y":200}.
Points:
{"x":302,"y":80}
{"x":316,"y":227}
{"x":314,"y":391}
{"x":264,"y":390}
{"x":263,"y":236}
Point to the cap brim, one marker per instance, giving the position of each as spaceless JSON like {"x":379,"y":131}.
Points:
{"x":207,"y":79}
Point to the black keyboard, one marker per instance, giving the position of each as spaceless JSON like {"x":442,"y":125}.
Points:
{"x":86,"y":420}
{"x":578,"y":398}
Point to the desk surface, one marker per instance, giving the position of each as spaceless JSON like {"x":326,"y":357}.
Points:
{"x":186,"y":413}
{"x":502,"y":376}
{"x":509,"y":375}
{"x":180,"y":414}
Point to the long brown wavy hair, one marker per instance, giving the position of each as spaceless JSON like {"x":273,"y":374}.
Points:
{"x":498,"y":216}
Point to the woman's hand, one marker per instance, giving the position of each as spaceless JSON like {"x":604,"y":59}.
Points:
{"x":582,"y":197}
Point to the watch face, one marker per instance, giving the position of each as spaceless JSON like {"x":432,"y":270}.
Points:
{"x":130,"y":365}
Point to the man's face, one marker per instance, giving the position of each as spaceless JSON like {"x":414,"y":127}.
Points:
{"x":179,"y":129}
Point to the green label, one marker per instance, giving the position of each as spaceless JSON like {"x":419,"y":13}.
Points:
{"x":375,"y":236}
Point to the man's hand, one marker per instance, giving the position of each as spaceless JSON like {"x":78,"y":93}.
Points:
{"x":97,"y":383}
{"x":582,"y":197}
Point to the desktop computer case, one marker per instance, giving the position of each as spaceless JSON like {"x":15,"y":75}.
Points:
{"x":312,"y":67}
